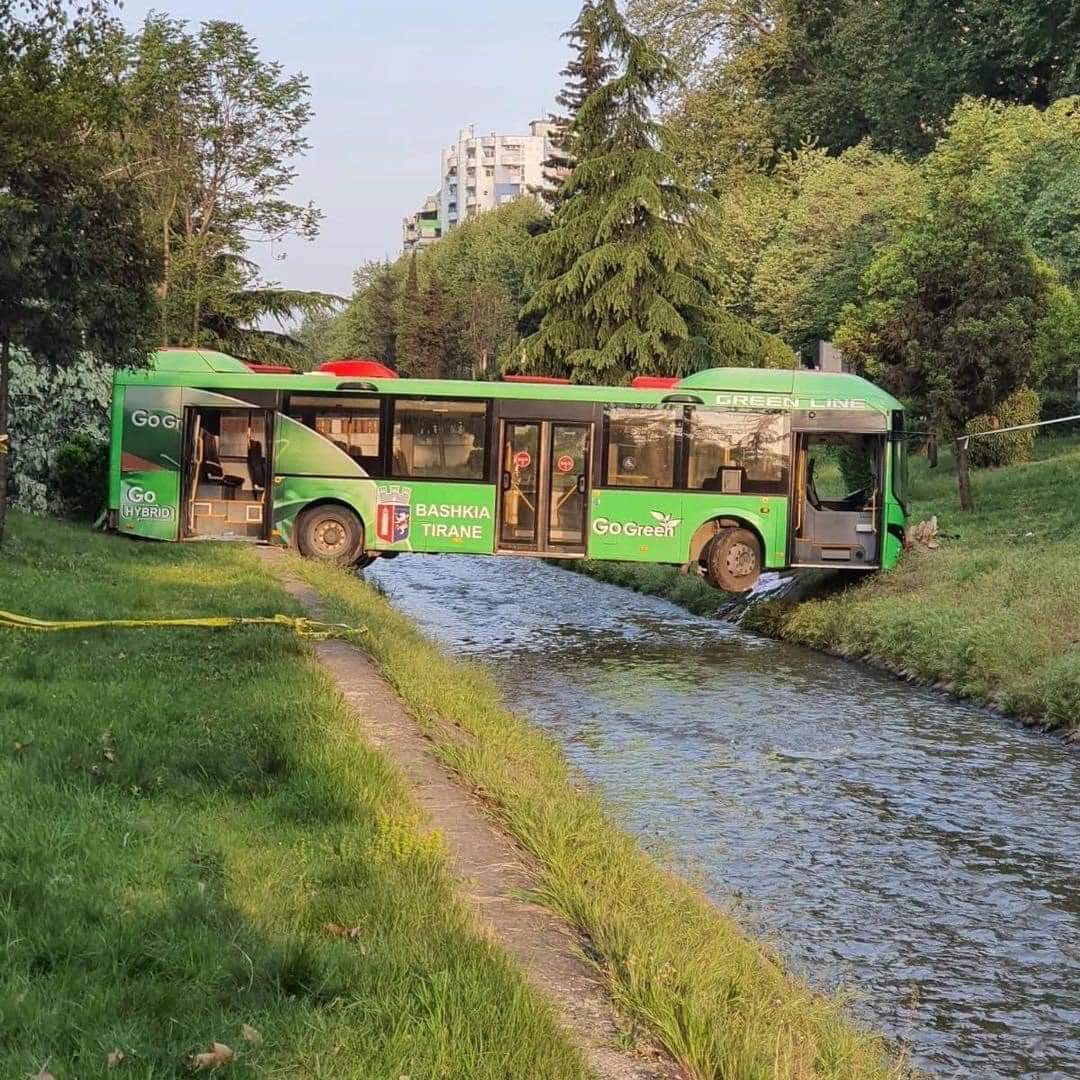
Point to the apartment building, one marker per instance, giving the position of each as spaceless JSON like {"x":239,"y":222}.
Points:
{"x":480,"y":172}
{"x":422,"y":229}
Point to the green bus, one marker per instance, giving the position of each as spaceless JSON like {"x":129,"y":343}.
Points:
{"x":730,"y":471}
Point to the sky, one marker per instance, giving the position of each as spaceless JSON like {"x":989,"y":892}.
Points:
{"x":392,"y":82}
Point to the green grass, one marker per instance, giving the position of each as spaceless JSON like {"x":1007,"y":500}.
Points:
{"x":182,"y":813}
{"x":994,"y":613}
{"x":681,"y":968}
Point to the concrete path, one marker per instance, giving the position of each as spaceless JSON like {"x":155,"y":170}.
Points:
{"x":492,"y":871}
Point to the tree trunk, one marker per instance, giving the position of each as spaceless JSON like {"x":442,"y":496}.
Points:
{"x":166,"y":281}
{"x":963,"y":477}
{"x":5,"y":456}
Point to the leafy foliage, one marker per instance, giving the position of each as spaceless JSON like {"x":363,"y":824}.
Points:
{"x":841,"y":210}
{"x":49,"y":406}
{"x":81,"y":475}
{"x":482,"y":266}
{"x":212,"y":137}
{"x":75,"y":272}
{"x":841,"y":71}
{"x":951,"y":315}
{"x":1028,"y":161}
{"x":1022,"y":406}
{"x":432,"y":352}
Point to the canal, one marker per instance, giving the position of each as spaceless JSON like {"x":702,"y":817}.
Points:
{"x":913,"y":850}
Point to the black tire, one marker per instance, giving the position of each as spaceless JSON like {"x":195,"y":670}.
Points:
{"x":733,"y":560}
{"x":330,"y":533}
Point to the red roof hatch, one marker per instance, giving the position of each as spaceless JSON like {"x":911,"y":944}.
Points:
{"x":653,"y":382}
{"x":357,"y":367}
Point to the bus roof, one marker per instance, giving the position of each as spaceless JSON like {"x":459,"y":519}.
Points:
{"x":770,"y":388}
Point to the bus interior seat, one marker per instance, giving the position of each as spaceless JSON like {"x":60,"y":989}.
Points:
{"x":811,"y":491}
{"x":256,"y":463}
{"x":211,"y":469}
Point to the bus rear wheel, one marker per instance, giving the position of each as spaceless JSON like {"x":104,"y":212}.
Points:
{"x":331,"y":534}
{"x":733,"y":560}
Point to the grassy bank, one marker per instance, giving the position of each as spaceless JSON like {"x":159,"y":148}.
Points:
{"x":690,"y":591}
{"x":679,"y":966}
{"x":193,"y":840}
{"x":994,"y":613}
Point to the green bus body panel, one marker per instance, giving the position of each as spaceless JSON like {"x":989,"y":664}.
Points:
{"x":440,"y":516}
{"x":659,"y":526}
{"x":625,"y":524}
{"x":147,"y":469}
{"x":299,"y":451}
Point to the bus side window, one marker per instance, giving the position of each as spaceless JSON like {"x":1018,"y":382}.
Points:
{"x":753,"y":446}
{"x":352,"y":424}
{"x":639,"y":447}
{"x":439,"y":439}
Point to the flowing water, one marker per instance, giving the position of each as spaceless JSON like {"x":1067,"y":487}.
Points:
{"x":917,"y":851}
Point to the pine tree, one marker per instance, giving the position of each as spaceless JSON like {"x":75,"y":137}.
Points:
{"x":429,"y":330}
{"x":381,"y":320}
{"x":619,"y":278}
{"x":438,"y":333}
{"x":407,"y":346}
{"x":585,"y":72}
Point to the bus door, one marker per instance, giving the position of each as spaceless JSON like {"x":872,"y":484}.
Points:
{"x":226,"y":473}
{"x":837,"y":499}
{"x":544,"y":486}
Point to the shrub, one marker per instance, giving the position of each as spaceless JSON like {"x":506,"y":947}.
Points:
{"x":49,"y":406}
{"x":81,"y":475}
{"x":1058,"y":401}
{"x":1020,"y":407}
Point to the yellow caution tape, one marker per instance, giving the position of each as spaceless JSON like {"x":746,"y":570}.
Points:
{"x":305,"y":628}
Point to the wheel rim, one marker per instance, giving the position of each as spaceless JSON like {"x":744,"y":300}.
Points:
{"x":329,"y":538}
{"x":740,"y":560}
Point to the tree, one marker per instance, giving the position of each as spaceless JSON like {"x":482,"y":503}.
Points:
{"x":212,"y":140}
{"x":408,"y":344}
{"x":619,"y":278}
{"x":587,"y":70}
{"x":76,"y":274}
{"x":692,"y":32}
{"x":951,"y":315}
{"x":237,"y":306}
{"x":842,"y":210}
{"x":1028,"y":161}
{"x":437,"y":332}
{"x":489,"y":326}
{"x":836,"y":72}
{"x":369,"y":324}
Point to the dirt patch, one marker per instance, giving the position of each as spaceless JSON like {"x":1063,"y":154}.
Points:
{"x":493,"y":872}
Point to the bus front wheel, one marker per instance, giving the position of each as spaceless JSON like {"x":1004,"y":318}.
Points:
{"x":330,"y":533}
{"x":733,"y":560}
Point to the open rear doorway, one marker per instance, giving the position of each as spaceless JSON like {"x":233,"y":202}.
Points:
{"x":837,"y":514}
{"x":226,"y":473}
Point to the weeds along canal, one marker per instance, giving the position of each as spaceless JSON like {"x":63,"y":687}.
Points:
{"x":915,"y":850}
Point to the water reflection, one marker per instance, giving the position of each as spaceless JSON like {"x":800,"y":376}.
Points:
{"x":906,"y":846}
